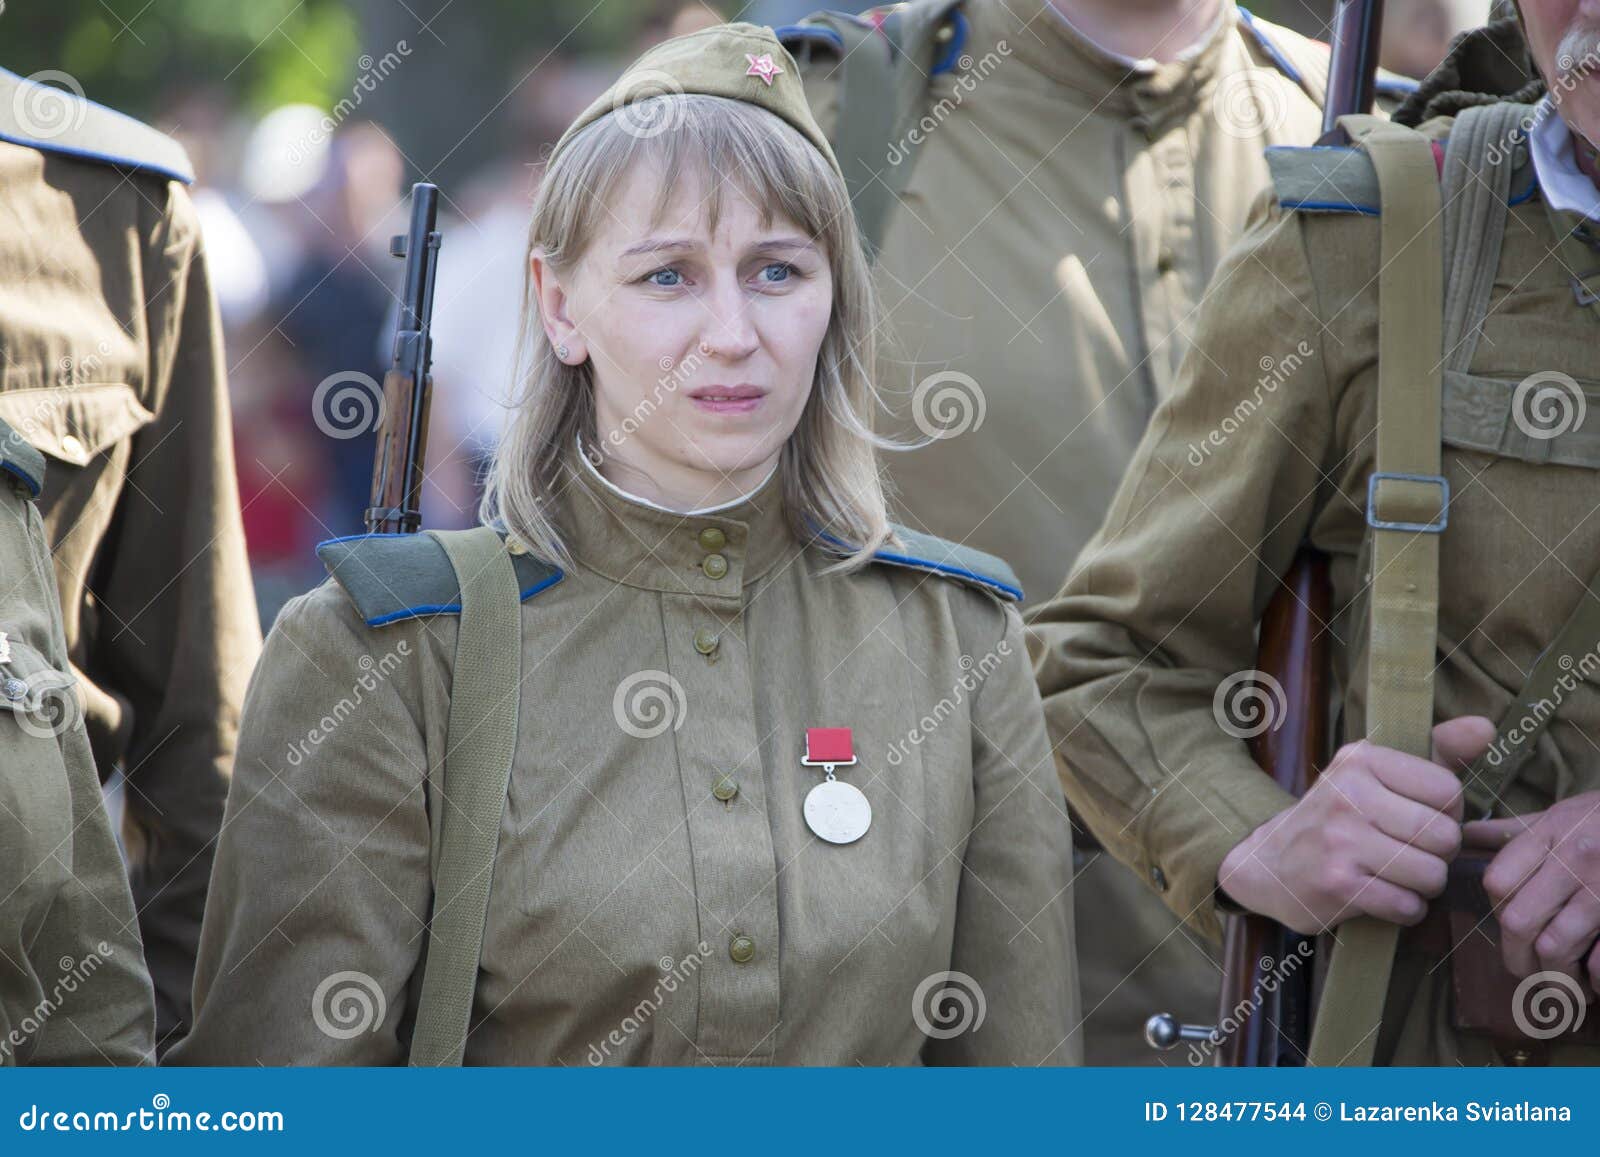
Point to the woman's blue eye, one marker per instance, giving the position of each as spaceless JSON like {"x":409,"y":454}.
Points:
{"x":674,"y":278}
{"x":783,"y":268}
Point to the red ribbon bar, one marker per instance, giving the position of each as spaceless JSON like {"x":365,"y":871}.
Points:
{"x":829,"y":745}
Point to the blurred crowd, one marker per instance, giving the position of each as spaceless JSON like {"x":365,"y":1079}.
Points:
{"x":298,"y":208}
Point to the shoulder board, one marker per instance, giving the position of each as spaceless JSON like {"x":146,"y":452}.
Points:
{"x":1324,"y":179}
{"x":21,"y":460}
{"x":907,"y":26}
{"x":390,"y":577}
{"x":797,"y":38}
{"x":58,"y":120}
{"x":964,"y":564}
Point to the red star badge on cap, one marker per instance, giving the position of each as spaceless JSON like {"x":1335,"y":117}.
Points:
{"x":763,"y":66}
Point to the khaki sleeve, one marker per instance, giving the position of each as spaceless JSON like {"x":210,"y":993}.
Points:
{"x":96,"y":1006}
{"x":178,"y":632}
{"x":1140,"y":656}
{"x":1014,"y":929}
{"x":316,"y":919}
{"x":104,"y":1010}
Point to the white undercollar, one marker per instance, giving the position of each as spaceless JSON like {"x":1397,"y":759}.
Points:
{"x":1563,"y":185}
{"x":631,"y":497}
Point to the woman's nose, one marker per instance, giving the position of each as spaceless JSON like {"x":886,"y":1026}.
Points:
{"x":729,"y":333}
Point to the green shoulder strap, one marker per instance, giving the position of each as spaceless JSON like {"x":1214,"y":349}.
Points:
{"x":470,"y":793}
{"x":885,"y":77}
{"x":1407,"y":507}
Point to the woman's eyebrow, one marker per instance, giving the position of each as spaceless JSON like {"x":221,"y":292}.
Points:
{"x":661,"y":245}
{"x":783,"y":244}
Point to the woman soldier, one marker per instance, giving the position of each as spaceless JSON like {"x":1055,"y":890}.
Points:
{"x":779,"y":789}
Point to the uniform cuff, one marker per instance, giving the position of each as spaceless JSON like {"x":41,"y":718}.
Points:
{"x":1196,"y":821}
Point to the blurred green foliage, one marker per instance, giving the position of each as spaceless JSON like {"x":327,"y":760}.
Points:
{"x":135,"y":54}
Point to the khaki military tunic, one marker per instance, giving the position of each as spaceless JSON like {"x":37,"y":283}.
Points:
{"x":1267,"y":441}
{"x":111,"y":365}
{"x":73,"y":985}
{"x":657,"y":895}
{"x":1053,"y":244}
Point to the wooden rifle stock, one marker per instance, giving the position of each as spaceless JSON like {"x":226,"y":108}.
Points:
{"x":397,"y":468}
{"x":1267,"y":968}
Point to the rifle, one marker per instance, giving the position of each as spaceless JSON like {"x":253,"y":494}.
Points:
{"x":397,"y":467}
{"x":1268,"y":1001}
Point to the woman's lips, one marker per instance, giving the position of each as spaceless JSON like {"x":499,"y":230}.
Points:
{"x":727,"y":399}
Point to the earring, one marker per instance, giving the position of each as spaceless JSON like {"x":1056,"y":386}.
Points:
{"x":562,"y":352}
{"x":705,"y":349}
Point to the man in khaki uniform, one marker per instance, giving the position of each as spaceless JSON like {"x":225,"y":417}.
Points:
{"x":111,"y":366}
{"x":1147,"y":657}
{"x":1054,"y":208}
{"x":73,"y":985}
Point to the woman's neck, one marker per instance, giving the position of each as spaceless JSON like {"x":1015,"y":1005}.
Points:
{"x":682,"y":490}
{"x":1143,"y":29}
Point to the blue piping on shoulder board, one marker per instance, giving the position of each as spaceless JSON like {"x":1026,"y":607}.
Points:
{"x":928,"y":564}
{"x":49,"y":146}
{"x":1248,"y":19}
{"x":791,"y":34}
{"x":455,"y":608}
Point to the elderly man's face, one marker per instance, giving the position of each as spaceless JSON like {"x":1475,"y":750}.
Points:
{"x":1565,"y":38}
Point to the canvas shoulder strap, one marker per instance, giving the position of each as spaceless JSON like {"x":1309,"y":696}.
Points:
{"x":1407,"y":508}
{"x":469,"y":794}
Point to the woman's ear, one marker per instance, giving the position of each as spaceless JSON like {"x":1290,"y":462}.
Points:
{"x":553,"y":311}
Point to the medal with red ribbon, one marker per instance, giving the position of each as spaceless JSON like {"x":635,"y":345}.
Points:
{"x":836,"y":811}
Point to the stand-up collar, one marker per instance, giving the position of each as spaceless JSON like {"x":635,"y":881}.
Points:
{"x":1041,"y":38}
{"x":712,"y":555}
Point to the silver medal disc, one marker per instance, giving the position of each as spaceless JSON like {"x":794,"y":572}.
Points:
{"x":838,"y":812}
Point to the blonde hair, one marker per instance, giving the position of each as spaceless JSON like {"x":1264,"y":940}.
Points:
{"x":829,"y":471}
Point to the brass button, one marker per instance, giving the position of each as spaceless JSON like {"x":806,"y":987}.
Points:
{"x":706,"y":641}
{"x":513,"y":546}
{"x":715,"y":566}
{"x":742,"y":949}
{"x":1165,"y":260}
{"x":71,"y":447}
{"x":725,"y":788}
{"x":712,"y":538}
{"x":1158,"y":878}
